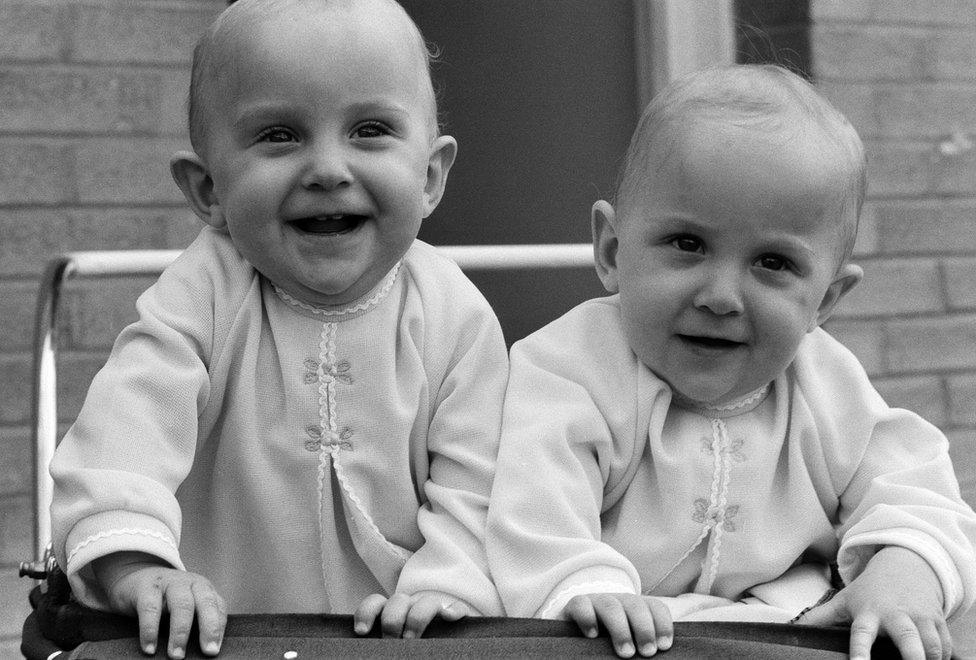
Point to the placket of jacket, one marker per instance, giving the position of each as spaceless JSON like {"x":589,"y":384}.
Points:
{"x":330,"y":438}
{"x":713,"y":511}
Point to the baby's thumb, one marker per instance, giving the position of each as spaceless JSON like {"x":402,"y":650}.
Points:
{"x":454,"y":610}
{"x":831,"y":613}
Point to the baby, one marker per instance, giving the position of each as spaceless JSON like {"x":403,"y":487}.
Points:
{"x":306,"y":414}
{"x":695,"y":436}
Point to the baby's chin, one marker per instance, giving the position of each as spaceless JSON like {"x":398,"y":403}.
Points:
{"x":713,"y":397}
{"x":333,"y":294}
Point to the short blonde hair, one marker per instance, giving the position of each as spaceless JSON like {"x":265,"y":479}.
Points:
{"x":764,"y":96}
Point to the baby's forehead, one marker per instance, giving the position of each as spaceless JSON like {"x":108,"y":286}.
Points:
{"x":246,"y":19}
{"x":251,"y":26}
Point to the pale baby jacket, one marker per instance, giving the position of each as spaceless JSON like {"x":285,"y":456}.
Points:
{"x":300,"y":458}
{"x":603,"y":484}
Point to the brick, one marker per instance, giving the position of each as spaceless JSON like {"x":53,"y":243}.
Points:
{"x":893,"y":110}
{"x":127,"y":171}
{"x":92,"y":100}
{"x":916,"y":168}
{"x":960,"y":279}
{"x":15,"y":468}
{"x":30,"y":31}
{"x":914,"y":12}
{"x":923,"y":395}
{"x":962,"y":400}
{"x":885,"y":52}
{"x":35,"y":171}
{"x":931,"y":344}
{"x":17,"y":300}
{"x":894,"y":287}
{"x":33,"y":236}
{"x":140,"y":32}
{"x":17,"y":531}
{"x":864,"y":338}
{"x":13,"y":605}
{"x":15,"y":387}
{"x":97,"y":310}
{"x":937,"y":227}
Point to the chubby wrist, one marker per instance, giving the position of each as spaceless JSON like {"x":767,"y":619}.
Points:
{"x":111,"y":568}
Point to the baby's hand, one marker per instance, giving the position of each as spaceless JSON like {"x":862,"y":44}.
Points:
{"x":646,"y":616}
{"x":897,"y":593}
{"x":406,"y":616}
{"x":140,"y":584}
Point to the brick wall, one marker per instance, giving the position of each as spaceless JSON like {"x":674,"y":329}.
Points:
{"x":905,"y":74}
{"x":91,"y":105}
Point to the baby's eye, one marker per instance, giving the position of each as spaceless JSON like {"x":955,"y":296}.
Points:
{"x":276,"y":134}
{"x":773,"y":262}
{"x":688,"y":243}
{"x":371,"y":129}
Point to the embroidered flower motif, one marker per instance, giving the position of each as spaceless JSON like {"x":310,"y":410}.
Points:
{"x":713,"y":515}
{"x":730,"y":513}
{"x":341,"y":440}
{"x":311,"y":371}
{"x":341,"y":372}
{"x":734,"y":450}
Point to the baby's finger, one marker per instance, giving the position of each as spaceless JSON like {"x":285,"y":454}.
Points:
{"x":181,"y":606}
{"x":580,"y":610}
{"x":864,"y":630}
{"x":642,"y":626}
{"x":149,"y":609}
{"x":931,"y":640}
{"x":943,"y":629}
{"x":905,"y":635}
{"x":614,"y":618}
{"x":395,"y":614}
{"x":662,"y":623}
{"x":454,"y":611}
{"x":211,"y":617}
{"x":418,"y":616}
{"x":365,"y":616}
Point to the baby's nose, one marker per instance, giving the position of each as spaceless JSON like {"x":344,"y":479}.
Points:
{"x":326,"y":168}
{"x":720,"y":293}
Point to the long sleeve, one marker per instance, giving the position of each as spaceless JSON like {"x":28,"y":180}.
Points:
{"x":891,"y":471}
{"x":118,"y":469}
{"x":468,"y":363}
{"x":569,"y":436}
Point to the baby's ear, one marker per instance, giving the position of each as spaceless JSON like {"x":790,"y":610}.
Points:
{"x":846,"y":279}
{"x":193,"y":177}
{"x":443,"y":151}
{"x":603,"y":222}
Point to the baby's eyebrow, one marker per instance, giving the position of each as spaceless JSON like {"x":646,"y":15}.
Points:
{"x":260,"y":112}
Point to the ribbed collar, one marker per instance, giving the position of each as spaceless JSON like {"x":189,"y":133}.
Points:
{"x":738,"y":406}
{"x":344,"y":312}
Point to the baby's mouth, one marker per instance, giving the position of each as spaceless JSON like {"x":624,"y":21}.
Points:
{"x":710,"y":342}
{"x":329,"y":224}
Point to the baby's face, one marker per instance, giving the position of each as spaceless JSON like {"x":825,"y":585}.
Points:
{"x":319,"y":138}
{"x":724,"y":260}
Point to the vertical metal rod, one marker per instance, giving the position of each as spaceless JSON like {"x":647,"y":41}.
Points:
{"x":44,"y":401}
